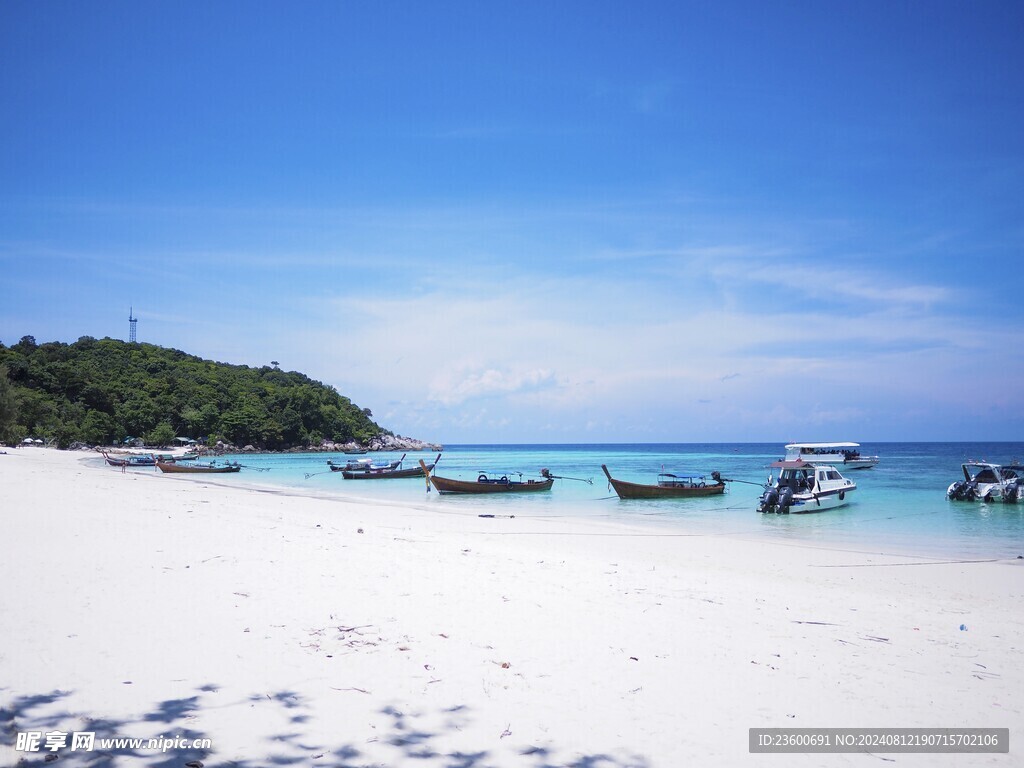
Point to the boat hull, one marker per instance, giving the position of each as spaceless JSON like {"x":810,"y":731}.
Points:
{"x":193,"y":469}
{"x":866,"y":463}
{"x":627,"y":490}
{"x":804,"y":504}
{"x":448,"y":485}
{"x":863,"y":462}
{"x":985,"y":492}
{"x":384,"y":474}
{"x":484,"y":485}
{"x":124,"y":463}
{"x":131,"y":460}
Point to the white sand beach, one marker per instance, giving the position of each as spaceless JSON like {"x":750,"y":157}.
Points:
{"x":296,"y":630}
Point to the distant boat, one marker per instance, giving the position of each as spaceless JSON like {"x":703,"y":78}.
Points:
{"x":389,"y":472}
{"x":171,"y":467}
{"x":172,"y":457}
{"x":145,"y":460}
{"x":485,"y":483}
{"x":846,"y":454}
{"x":130,"y":461}
{"x":354,"y":451}
{"x":805,"y":487}
{"x":670,"y":486}
{"x":363,"y":465}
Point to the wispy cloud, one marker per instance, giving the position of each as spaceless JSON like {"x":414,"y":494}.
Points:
{"x":455,"y":386}
{"x":558,"y":353}
{"x":802,"y":277}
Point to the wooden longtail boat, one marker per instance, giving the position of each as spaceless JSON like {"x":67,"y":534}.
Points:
{"x":486,"y":484}
{"x":145,"y":460}
{"x":363,"y":465}
{"x":130,"y":461}
{"x":389,"y":472}
{"x":669,"y":486}
{"x":169,"y":466}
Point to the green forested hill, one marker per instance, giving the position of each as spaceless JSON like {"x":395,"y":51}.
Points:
{"x":99,"y":391}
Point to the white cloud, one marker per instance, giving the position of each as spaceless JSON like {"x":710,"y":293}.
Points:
{"x":461,"y":358}
{"x":457,"y":385}
{"x":816,"y":278}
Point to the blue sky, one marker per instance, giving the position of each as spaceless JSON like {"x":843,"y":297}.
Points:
{"x":538,"y":221}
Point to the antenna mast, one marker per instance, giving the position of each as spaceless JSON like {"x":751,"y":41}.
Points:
{"x":132,"y":321}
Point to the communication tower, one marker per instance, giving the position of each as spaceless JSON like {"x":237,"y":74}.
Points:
{"x":132,"y":321}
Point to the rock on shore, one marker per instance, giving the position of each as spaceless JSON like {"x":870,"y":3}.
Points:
{"x":379,"y":443}
{"x":399,"y":443}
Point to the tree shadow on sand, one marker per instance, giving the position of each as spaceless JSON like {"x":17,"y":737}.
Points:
{"x":44,"y":713}
{"x":407,"y":739}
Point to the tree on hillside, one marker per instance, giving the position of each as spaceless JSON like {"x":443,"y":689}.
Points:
{"x":8,"y":408}
{"x":161,"y":435}
{"x":104,"y":390}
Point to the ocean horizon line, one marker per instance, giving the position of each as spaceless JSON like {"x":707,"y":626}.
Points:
{"x":732,"y":442}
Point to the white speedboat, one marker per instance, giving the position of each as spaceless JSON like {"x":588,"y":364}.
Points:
{"x":805,"y":487}
{"x":846,"y":454}
{"x":988,"y":482}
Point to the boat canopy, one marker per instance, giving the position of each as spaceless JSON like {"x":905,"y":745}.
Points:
{"x":793,"y":446}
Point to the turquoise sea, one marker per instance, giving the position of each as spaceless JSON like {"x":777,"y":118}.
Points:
{"x":899,"y":506}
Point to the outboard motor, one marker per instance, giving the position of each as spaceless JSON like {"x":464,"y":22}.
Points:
{"x":769,"y":500}
{"x":785,"y":501}
{"x":717,"y":477}
{"x":964,"y":491}
{"x":1011,"y":493}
